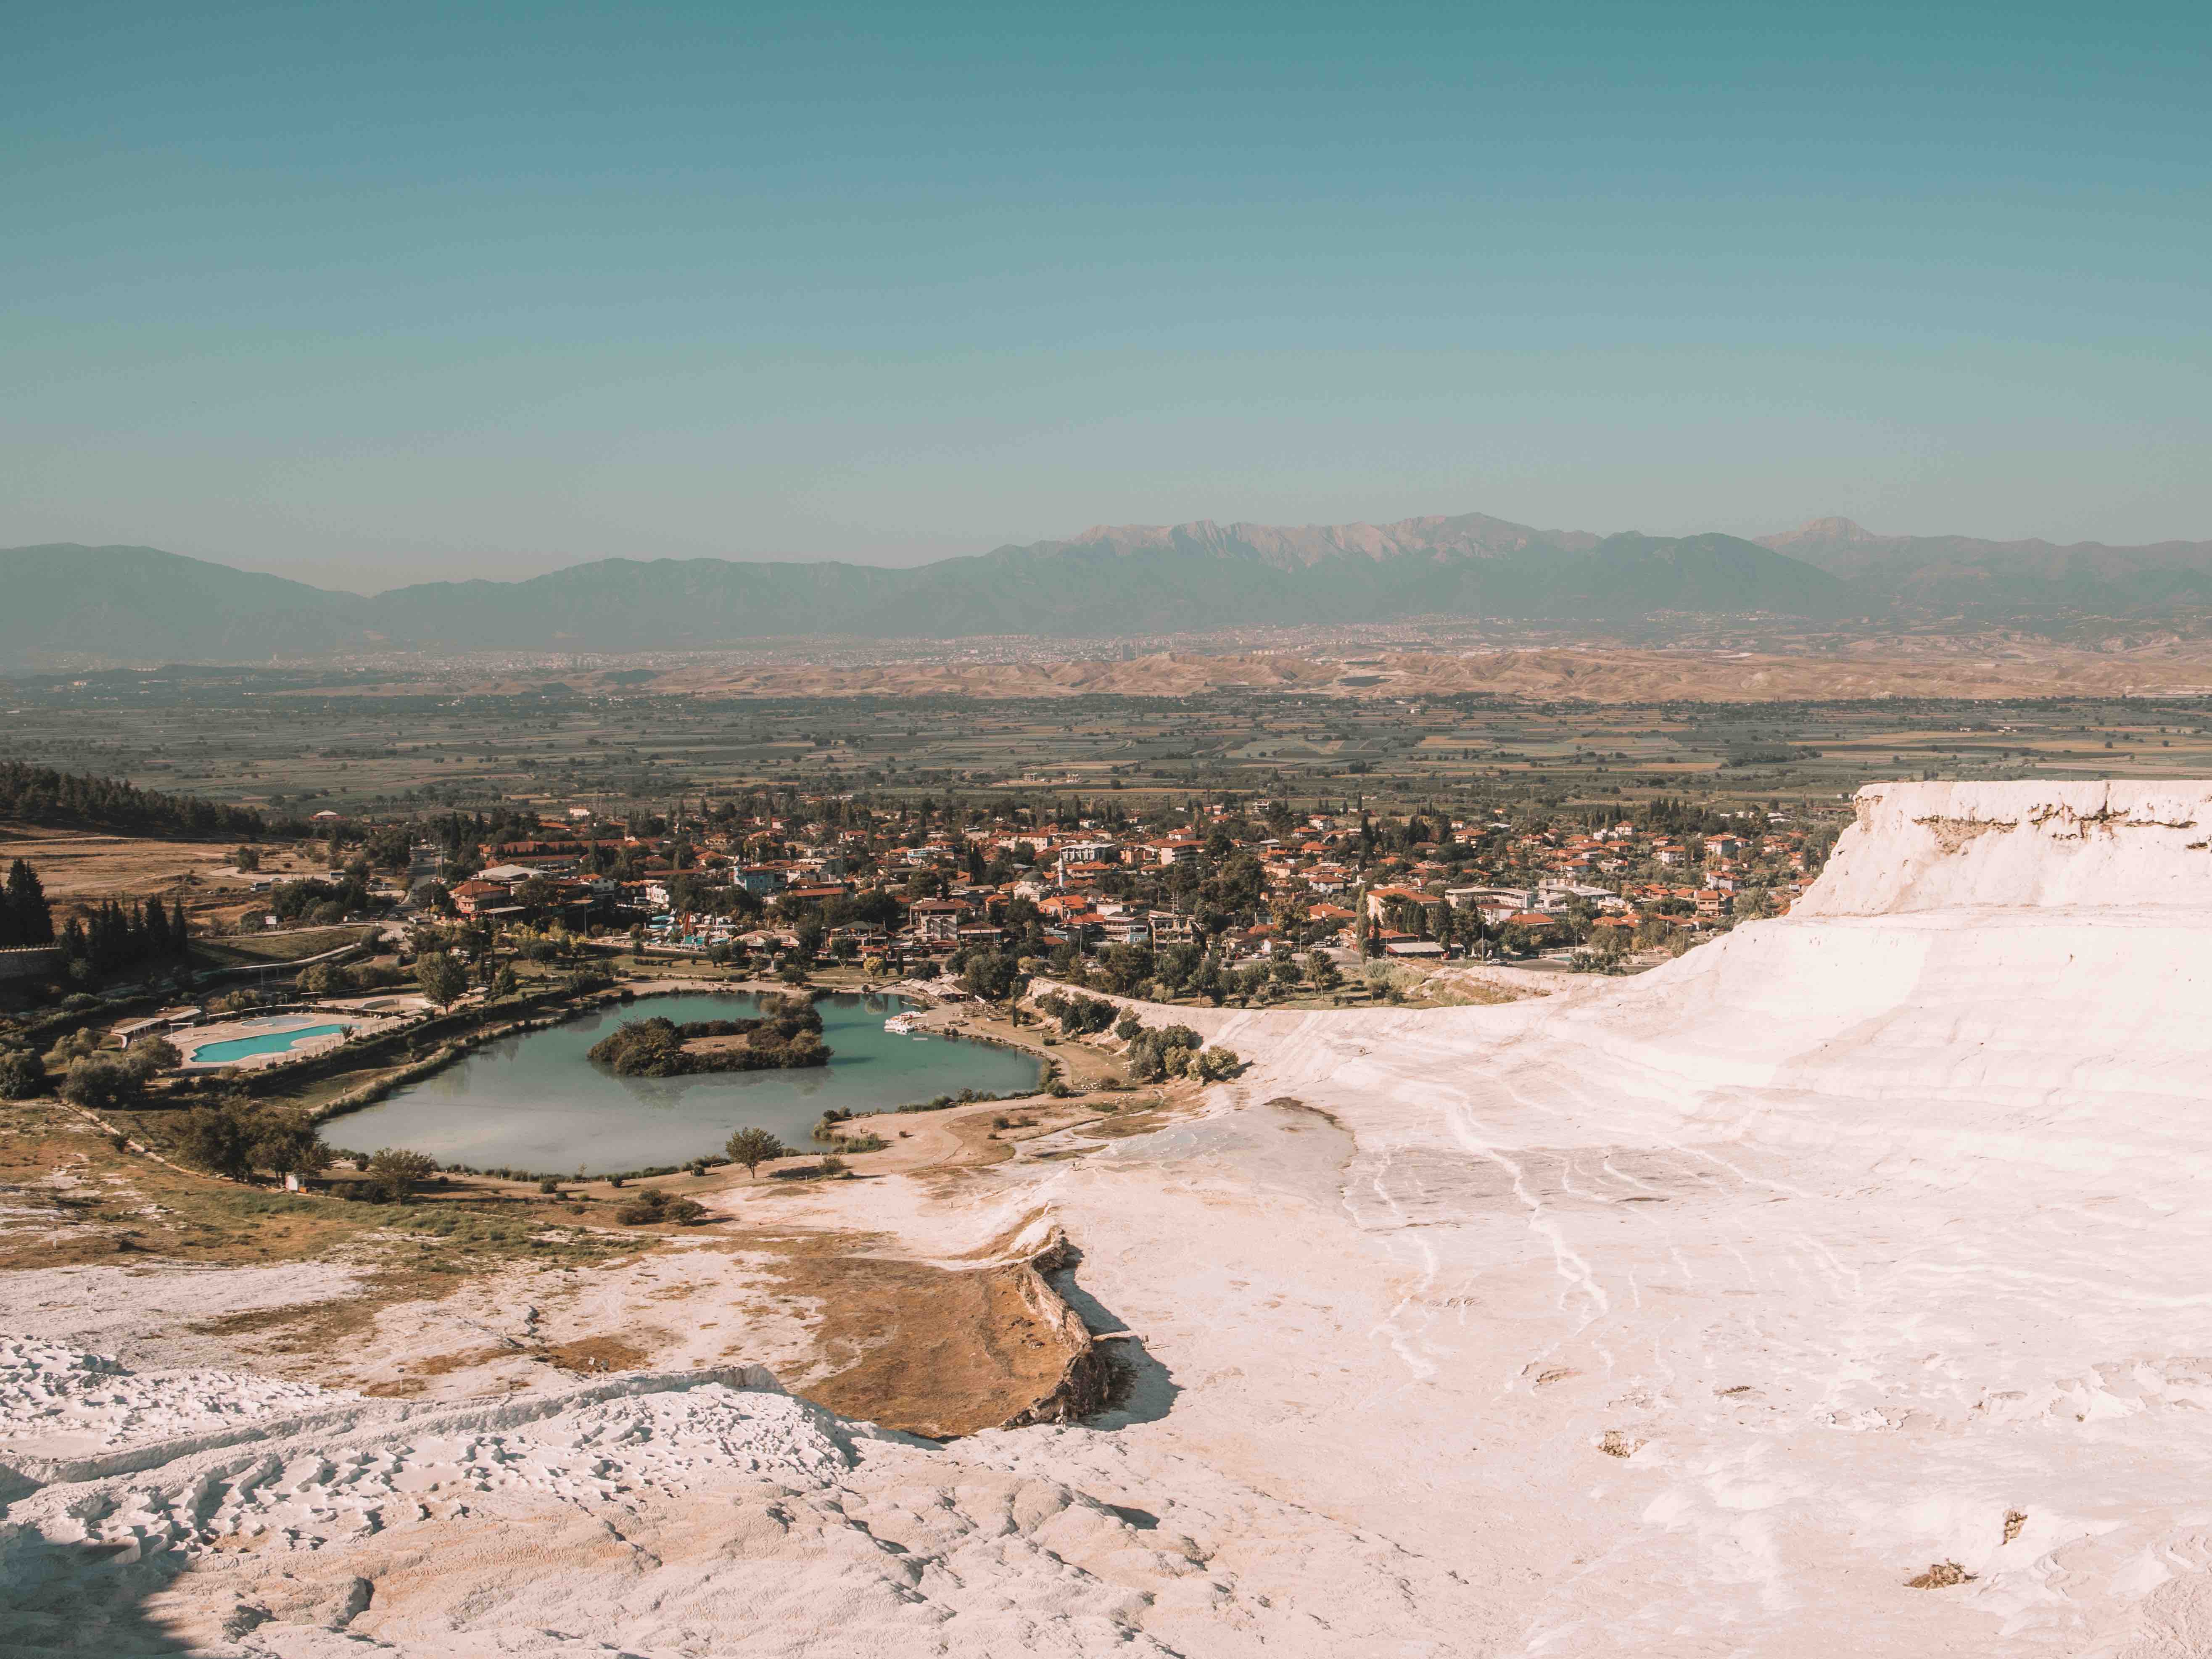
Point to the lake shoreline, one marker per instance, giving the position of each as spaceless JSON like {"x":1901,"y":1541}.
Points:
{"x":550,"y":1115}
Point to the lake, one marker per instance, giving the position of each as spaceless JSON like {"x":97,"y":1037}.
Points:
{"x":535,"y":1102}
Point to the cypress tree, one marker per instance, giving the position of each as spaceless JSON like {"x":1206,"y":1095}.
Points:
{"x":180,"y":935}
{"x":27,"y":902}
{"x":154,"y":929}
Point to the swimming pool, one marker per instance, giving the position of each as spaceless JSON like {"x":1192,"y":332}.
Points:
{"x":275,"y":1042}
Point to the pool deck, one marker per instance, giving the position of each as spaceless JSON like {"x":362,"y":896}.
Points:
{"x":191,"y":1042}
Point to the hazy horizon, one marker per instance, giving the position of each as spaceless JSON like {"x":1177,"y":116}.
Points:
{"x":367,"y":299}
{"x":450,"y":573}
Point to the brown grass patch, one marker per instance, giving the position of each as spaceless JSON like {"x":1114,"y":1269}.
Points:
{"x":319,"y":1328}
{"x":420,"y":1372}
{"x":73,"y":1250}
{"x":73,"y":866}
{"x":931,"y":1349}
{"x":596,"y":1353}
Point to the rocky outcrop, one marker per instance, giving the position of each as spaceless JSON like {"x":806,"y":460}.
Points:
{"x":1087,"y":1381}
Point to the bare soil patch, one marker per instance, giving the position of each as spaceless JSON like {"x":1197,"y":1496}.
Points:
{"x":933,"y":1350}
{"x":596,"y":1353}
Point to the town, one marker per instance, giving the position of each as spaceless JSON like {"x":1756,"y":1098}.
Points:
{"x":1247,"y":902}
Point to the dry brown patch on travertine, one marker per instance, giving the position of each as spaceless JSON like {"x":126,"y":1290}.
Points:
{"x":1954,"y":835}
{"x":420,"y":1372}
{"x":596,"y":1353}
{"x":324,"y":1330}
{"x":1941,"y":1574}
{"x":935,"y":1351}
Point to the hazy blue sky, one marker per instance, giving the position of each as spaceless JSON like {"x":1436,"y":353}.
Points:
{"x":370,"y":293}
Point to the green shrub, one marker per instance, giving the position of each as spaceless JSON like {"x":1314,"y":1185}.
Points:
{"x":1216,"y":1065}
{"x":22,"y":1074}
{"x":653,"y":1207}
{"x":102,"y":1082}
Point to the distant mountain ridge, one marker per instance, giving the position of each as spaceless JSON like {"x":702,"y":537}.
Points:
{"x":141,"y":604}
{"x":1948,"y":573}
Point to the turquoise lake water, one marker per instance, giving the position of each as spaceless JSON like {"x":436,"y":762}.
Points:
{"x":276,"y":1042}
{"x":536,"y":1103}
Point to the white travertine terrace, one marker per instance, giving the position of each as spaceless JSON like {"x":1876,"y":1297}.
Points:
{"x":1693,"y":1314}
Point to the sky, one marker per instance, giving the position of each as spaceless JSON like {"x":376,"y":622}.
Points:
{"x":370,"y":294}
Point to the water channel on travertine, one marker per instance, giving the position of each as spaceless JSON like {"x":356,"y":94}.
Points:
{"x":534,"y":1102}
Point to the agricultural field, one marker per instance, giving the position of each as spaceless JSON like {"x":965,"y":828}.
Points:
{"x":262,"y":740}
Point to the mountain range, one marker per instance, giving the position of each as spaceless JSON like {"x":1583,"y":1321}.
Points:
{"x":141,"y":604}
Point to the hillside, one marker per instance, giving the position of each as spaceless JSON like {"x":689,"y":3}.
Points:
{"x":139,"y":604}
{"x":1963,"y":573}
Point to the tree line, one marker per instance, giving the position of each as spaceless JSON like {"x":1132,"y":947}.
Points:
{"x":120,"y":934}
{"x":42,"y":795}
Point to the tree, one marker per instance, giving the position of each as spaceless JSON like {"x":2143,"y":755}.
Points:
{"x":219,"y":1138}
{"x":33,"y":920}
{"x":504,"y":982}
{"x":442,"y":979}
{"x":393,"y":1171}
{"x":752,"y":1148}
{"x":288,"y":1143}
{"x":153,"y":1054}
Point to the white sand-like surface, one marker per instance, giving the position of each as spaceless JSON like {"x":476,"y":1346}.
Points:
{"x":57,"y":1401}
{"x":1696,"y":1314}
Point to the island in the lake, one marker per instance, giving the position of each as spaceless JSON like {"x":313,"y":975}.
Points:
{"x":786,"y":1037}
